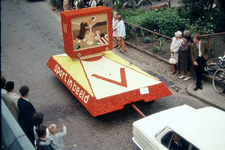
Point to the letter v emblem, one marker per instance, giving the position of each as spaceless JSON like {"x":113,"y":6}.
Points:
{"x":122,"y":76}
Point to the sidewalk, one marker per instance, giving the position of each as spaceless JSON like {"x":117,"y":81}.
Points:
{"x":208,"y":95}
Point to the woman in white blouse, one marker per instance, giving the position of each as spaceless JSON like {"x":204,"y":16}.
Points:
{"x":174,"y":48}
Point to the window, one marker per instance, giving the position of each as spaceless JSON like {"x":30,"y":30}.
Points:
{"x":173,"y":141}
{"x":167,"y":138}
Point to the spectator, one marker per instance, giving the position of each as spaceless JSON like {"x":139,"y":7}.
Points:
{"x":3,"y":91}
{"x":65,"y":5}
{"x":184,"y":62}
{"x":80,"y":4}
{"x":26,"y":111}
{"x":186,"y":32}
{"x":92,"y":3}
{"x":199,"y":55}
{"x":114,"y":26}
{"x":37,"y":119}
{"x":86,"y":2}
{"x":56,"y":137}
{"x":55,"y":5}
{"x":121,"y":32}
{"x":73,"y":4}
{"x":99,"y":3}
{"x":174,"y":49}
{"x":105,"y":2}
{"x":42,"y":142}
{"x":11,"y":99}
{"x":110,"y":3}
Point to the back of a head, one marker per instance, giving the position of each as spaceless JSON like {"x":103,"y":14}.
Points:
{"x":41,"y":130}
{"x":3,"y":81}
{"x":24,"y":90}
{"x":9,"y":86}
{"x":52,"y":128}
{"x":37,"y":119}
{"x":187,"y":33}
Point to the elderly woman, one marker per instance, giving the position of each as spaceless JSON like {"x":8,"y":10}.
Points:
{"x":184,"y":62}
{"x":174,"y":48}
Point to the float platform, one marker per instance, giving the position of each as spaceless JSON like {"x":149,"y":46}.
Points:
{"x":106,"y":82}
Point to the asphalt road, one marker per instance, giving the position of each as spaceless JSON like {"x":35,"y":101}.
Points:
{"x":31,"y":33}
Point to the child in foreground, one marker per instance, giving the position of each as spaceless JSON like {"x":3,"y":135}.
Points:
{"x":55,"y":137}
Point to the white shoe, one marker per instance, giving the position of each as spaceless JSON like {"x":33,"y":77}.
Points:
{"x":183,"y":76}
{"x":187,"y":78}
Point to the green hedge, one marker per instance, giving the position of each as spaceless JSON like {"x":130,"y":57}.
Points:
{"x":171,"y":20}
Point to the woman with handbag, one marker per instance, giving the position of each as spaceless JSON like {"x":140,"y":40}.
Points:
{"x":174,"y":48}
{"x":185,"y":62}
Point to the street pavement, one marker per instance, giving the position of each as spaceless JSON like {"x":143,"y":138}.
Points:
{"x":31,"y":33}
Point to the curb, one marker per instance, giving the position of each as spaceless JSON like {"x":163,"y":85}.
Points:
{"x":190,"y":91}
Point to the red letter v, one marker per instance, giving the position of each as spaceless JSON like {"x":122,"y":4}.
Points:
{"x":122,"y":75}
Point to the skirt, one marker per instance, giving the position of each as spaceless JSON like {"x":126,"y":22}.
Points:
{"x":115,"y":34}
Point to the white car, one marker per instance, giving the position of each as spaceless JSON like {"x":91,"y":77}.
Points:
{"x":181,"y":128}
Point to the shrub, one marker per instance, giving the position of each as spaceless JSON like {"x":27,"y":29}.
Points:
{"x":165,"y":22}
{"x":170,"y":20}
{"x":147,"y":40}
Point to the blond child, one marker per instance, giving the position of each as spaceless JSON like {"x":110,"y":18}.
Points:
{"x":55,"y":137}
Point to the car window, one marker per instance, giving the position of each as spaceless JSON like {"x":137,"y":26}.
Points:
{"x":174,"y":141}
{"x":167,"y":138}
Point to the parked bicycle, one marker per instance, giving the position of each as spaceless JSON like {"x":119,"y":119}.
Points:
{"x":216,"y":69}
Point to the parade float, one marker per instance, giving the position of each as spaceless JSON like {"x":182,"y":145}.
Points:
{"x":101,"y":80}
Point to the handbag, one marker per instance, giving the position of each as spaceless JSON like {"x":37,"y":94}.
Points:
{"x":172,"y":60}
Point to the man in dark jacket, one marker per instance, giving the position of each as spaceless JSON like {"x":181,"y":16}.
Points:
{"x":26,"y":111}
{"x":99,"y":2}
{"x":199,"y":55}
{"x":80,"y":4}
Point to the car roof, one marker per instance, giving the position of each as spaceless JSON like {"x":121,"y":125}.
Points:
{"x":205,"y":128}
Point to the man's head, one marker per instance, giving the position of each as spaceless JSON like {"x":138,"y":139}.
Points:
{"x":24,"y":90}
{"x":197,"y":38}
{"x":37,"y":119}
{"x":41,"y":131}
{"x":176,"y":137}
{"x":9,"y":86}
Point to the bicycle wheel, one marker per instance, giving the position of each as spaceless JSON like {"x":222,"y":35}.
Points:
{"x":211,"y":68}
{"x":219,"y":80}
